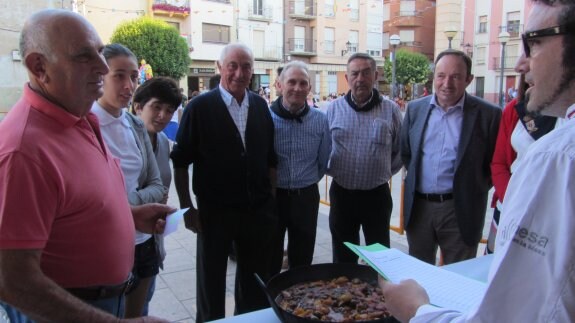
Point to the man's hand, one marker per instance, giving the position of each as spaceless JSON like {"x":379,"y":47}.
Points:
{"x":192,"y":220}
{"x":402,"y":300}
{"x":151,"y":217}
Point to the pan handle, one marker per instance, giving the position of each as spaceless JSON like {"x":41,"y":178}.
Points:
{"x":262,"y":284}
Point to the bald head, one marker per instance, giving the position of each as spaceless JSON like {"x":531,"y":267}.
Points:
{"x":63,"y":55}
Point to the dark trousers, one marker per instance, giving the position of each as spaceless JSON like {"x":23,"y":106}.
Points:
{"x":251,"y":230}
{"x":297,"y":213}
{"x":351,"y":210}
{"x":432,"y":225}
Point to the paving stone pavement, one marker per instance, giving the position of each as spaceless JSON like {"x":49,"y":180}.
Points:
{"x":175,"y":296}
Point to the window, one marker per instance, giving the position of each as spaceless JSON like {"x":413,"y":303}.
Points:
{"x":374,"y":43}
{"x":480,"y":56}
{"x":299,"y":39}
{"x":331,"y":82}
{"x":479,"y":86}
{"x":386,"y":12}
{"x":354,"y":41}
{"x":258,"y":7}
{"x":174,"y":24}
{"x":385,"y":41}
{"x":329,"y":40}
{"x":354,"y":10}
{"x":407,"y":8}
{"x":513,"y":26}
{"x":329,"y":8}
{"x":407,"y":36}
{"x":258,"y":44}
{"x":212,"y":33}
{"x":482,"y":25}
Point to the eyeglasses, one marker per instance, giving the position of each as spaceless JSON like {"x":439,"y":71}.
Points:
{"x":551,"y":31}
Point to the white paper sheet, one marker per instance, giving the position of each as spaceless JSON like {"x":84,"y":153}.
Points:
{"x":445,"y":289}
{"x":172,"y":221}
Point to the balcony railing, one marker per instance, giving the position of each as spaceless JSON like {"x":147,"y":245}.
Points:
{"x":261,"y":14}
{"x":268,"y":53}
{"x":411,"y":44}
{"x":509,"y":62}
{"x":302,"y":9}
{"x":514,"y":30}
{"x":302,"y":46}
{"x":169,"y":8}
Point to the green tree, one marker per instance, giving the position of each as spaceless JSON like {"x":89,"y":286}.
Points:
{"x":410,"y":68}
{"x":158,"y":43}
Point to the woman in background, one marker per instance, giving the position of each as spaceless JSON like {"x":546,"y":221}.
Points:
{"x":128,"y":140}
{"x":155,"y":102}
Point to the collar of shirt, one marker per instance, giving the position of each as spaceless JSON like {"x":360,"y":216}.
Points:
{"x":229,"y":98}
{"x":570,"y":112}
{"x":297,"y":113}
{"x":49,"y":108}
{"x":106,"y":118}
{"x":458,"y":104}
{"x":359,"y":106}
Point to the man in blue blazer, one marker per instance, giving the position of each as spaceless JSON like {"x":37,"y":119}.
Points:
{"x":447,"y":142}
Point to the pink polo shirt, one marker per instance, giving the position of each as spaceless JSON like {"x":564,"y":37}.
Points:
{"x":62,"y":191}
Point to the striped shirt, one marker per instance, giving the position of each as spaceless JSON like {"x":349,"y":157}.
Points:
{"x":365,"y":144}
{"x":302,"y":149}
{"x":238,"y":112}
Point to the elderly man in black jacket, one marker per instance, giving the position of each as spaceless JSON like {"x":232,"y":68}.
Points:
{"x":228,"y":136}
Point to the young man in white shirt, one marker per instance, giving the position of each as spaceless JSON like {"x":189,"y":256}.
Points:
{"x":535,"y":250}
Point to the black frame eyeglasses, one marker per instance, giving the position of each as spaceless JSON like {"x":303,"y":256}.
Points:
{"x":551,"y":31}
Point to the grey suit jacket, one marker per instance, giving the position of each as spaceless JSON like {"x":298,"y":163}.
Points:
{"x":472,"y":179}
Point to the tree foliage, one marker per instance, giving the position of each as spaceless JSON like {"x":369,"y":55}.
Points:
{"x":410,"y":68}
{"x":158,"y":43}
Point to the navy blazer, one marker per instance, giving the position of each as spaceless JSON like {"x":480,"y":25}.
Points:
{"x":472,"y":179}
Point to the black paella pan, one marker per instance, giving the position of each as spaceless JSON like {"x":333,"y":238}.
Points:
{"x":286,"y":279}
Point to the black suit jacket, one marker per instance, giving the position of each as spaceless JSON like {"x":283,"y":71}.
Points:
{"x":472,"y":179}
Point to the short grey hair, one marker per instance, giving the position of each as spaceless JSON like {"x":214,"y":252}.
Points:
{"x":294,"y":64}
{"x":235,"y":46}
{"x":363,"y":56}
{"x":35,"y":33}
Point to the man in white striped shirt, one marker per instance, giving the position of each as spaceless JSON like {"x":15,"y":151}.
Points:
{"x":365,"y":154}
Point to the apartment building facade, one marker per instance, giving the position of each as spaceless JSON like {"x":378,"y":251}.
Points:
{"x":477,"y":25}
{"x":414,"y":22}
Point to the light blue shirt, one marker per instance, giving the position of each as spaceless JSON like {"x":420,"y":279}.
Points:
{"x":302,"y":149}
{"x":439,"y":148}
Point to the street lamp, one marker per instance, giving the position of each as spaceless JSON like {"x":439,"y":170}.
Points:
{"x":450,"y":33}
{"x":394,"y":40}
{"x":503,"y":39}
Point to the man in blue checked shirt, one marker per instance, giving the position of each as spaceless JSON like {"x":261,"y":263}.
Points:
{"x":302,"y":144}
{"x":365,"y":131}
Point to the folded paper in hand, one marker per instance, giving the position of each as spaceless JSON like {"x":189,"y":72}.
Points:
{"x":172,"y":221}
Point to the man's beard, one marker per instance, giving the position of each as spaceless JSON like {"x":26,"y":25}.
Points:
{"x":567,"y":78}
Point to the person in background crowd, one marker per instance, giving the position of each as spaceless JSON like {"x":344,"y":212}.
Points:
{"x":155,"y":102}
{"x":517,"y":131}
{"x":302,"y":143}
{"x":128,"y":140}
{"x":215,"y":81}
{"x":447,"y":143}
{"x":535,"y":253}
{"x":365,"y":155}
{"x":233,"y":155}
{"x":71,"y":260}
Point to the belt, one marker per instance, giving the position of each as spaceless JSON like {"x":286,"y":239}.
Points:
{"x":101,"y":292}
{"x":435,"y":197}
{"x":295,"y":191}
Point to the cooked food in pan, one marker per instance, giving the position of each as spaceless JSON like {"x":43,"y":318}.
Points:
{"x":336,"y":300}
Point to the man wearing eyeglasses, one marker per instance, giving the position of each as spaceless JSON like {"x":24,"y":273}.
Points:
{"x":535,"y":258}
